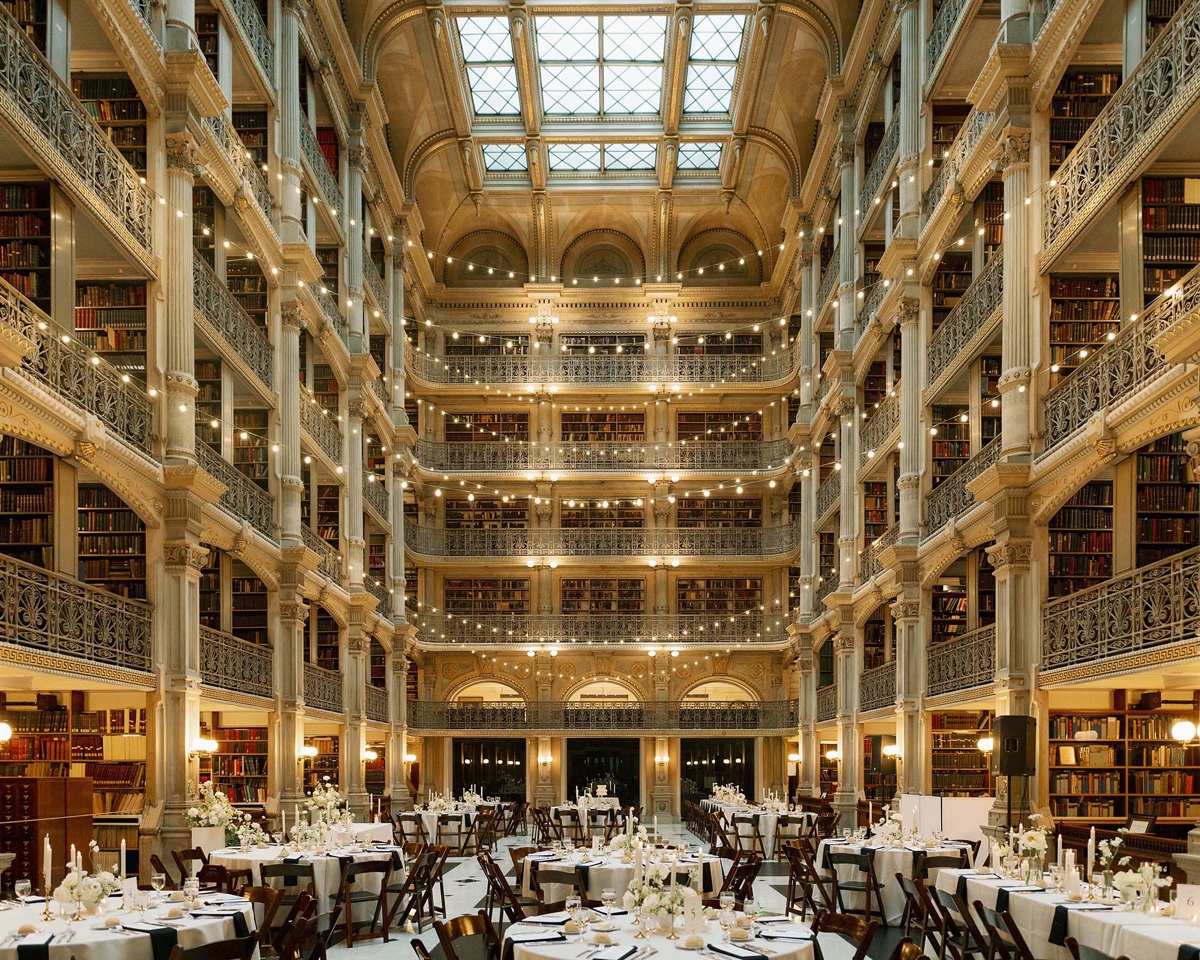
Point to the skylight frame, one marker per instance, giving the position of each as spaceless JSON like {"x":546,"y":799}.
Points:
{"x":491,"y":70}
{"x":501,"y":158}
{"x":714,"y":61}
{"x":626,"y":150}
{"x":691,"y":151}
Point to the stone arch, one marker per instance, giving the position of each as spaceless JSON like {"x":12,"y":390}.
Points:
{"x":454,"y":692}
{"x":823,"y":28}
{"x":709,"y":248}
{"x":752,"y":695}
{"x":486,"y":250}
{"x":425,"y":149}
{"x":582,"y":684}
{"x":605,"y":253}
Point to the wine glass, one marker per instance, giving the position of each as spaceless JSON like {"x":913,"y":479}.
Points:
{"x":22,"y":888}
{"x":158,"y":881}
{"x":572,"y":905}
{"x":750,"y":909}
{"x":725,"y":918}
{"x":728,"y":901}
{"x":608,"y":896}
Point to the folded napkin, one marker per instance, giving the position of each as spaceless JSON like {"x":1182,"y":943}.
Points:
{"x":1188,"y":951}
{"x":733,"y":950}
{"x":1003,"y":892}
{"x":607,"y":912}
{"x":546,"y":936}
{"x":1058,"y":929}
{"x":775,"y":918}
{"x":240,"y":928}
{"x":550,"y":919}
{"x":34,"y":946}
{"x":794,"y":931}
{"x":615,"y":952}
{"x":162,"y":939}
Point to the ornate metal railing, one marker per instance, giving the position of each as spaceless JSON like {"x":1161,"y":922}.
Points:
{"x":377,"y":703}
{"x":1147,"y":107}
{"x":243,"y":498}
{"x":375,"y":283}
{"x":379,"y":388}
{"x":1117,"y":369}
{"x":829,"y":279}
{"x":827,"y":698}
{"x":877,"y":687}
{"x":322,"y":688}
{"x":320,"y":426}
{"x":966,"y":326}
{"x":1041,"y":17}
{"x":43,"y":106}
{"x":242,"y":161}
{"x":602,"y":456}
{"x":828,"y":584}
{"x":880,"y":165}
{"x":614,"y":715}
{"x":331,"y":562}
{"x":872,"y":302}
{"x":883,"y":423}
{"x":376,"y":495}
{"x":231,"y":663}
{"x":828,"y":492}
{"x":968,"y":138}
{"x":229,"y":322}
{"x":564,"y":628}
{"x":1150,"y":607}
{"x":319,"y":166}
{"x":248,"y":16}
{"x":329,"y":308}
{"x":55,"y":614}
{"x":945,"y":20}
{"x":751,"y":542}
{"x":380,"y":592}
{"x":870,"y":557}
{"x":962,"y":663}
{"x":952,"y":499}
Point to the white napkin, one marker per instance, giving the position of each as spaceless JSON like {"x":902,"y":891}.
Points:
{"x":615,"y":952}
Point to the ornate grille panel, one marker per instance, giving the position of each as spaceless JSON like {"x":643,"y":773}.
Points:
{"x":877,"y":687}
{"x":871,"y":303}
{"x":824,"y":390}
{"x":320,"y":426}
{"x":256,"y":32}
{"x":329,"y":308}
{"x":322,"y":688}
{"x":599,"y":629}
{"x":229,"y":141}
{"x":1150,"y":607}
{"x":827,"y":585}
{"x":40,"y":103}
{"x":880,"y":165}
{"x":945,"y":21}
{"x":377,"y":703}
{"x":48,"y":612}
{"x":968,"y":138}
{"x":319,"y":166}
{"x":952,"y":498}
{"x":243,"y":498}
{"x":962,"y":663}
{"x":619,"y":715}
{"x":331,"y":564}
{"x":883,"y":423}
{"x":827,"y":698}
{"x":376,"y":495}
{"x":870,"y":561}
{"x":229,"y":323}
{"x":143,"y":10}
{"x":967,"y":329}
{"x":375,"y":283}
{"x":380,"y":592}
{"x":381,"y":393}
{"x":235,"y":664}
{"x":828,"y":492}
{"x":829,"y":278}
{"x":1145,"y":109}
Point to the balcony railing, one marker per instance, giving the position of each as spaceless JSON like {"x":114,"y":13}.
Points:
{"x":319,"y":166}
{"x":1148,"y":107}
{"x":968,"y":138}
{"x":50,"y":613}
{"x":603,"y":456}
{"x":243,"y":498}
{"x":617,"y":715}
{"x":631,"y":371}
{"x":752,"y":627}
{"x":885,"y":156}
{"x":375,"y":283}
{"x":322,"y":688}
{"x":380,"y":592}
{"x":242,"y":161}
{"x":1150,"y":607}
{"x":230,"y":663}
{"x":331,"y":562}
{"x":1117,"y":369}
{"x":827,"y":585}
{"x":962,"y":662}
{"x":877,"y":687}
{"x":828,"y":492}
{"x":65,"y":368}
{"x":870,"y":560}
{"x":320,"y":426}
{"x":43,"y":107}
{"x":827,"y":699}
{"x":246,"y":13}
{"x":945,"y":19}
{"x":952,"y":499}
{"x":826,"y":386}
{"x":871,"y":304}
{"x":967,"y":329}
{"x":329,"y":308}
{"x":749,"y":542}
{"x":377,"y":703}
{"x":376,"y":495}
{"x":228,"y":322}
{"x":883,"y":423}
{"x":829,"y":279}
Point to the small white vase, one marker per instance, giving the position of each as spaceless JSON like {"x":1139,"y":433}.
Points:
{"x":666,"y":923}
{"x":208,"y":839}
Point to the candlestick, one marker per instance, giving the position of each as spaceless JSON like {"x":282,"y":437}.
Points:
{"x":46,"y":909}
{"x":47,"y":860}
{"x":122,"y":859}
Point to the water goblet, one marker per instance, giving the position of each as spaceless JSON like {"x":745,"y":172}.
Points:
{"x":608,"y":896}
{"x":22,"y":888}
{"x":725,"y":918}
{"x":750,"y":909}
{"x":728,"y":901}
{"x":158,"y":881}
{"x":572,"y":905}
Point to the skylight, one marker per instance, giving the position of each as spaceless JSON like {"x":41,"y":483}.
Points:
{"x":607,"y":157}
{"x":712,"y":62}
{"x":569,"y":157}
{"x":699,"y":156}
{"x":504,"y":157}
{"x":601,"y":66}
{"x":491,"y":73}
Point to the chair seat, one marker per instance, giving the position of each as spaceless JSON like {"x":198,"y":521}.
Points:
{"x":859,"y":886}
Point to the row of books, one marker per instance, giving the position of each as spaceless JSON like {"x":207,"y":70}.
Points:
{"x":1164,"y":782}
{"x":1167,"y":530}
{"x":1084,"y":808}
{"x":1085,"y":566}
{"x":1162,"y":469}
{"x":26,"y":226}
{"x":1084,"y":755}
{"x":118,"y":720}
{"x":27,"y":284}
{"x":1083,"y":518}
{"x":110,"y":295}
{"x":1172,"y":190}
{"x":115,"y":339}
{"x":1168,"y":498}
{"x":1178,"y":217}
{"x":1169,"y":249}
{"x":1075,"y":542}
{"x":1065,"y":728}
{"x":1083,"y":287}
{"x":1085,"y":783}
{"x":42,"y":747}
{"x":26,"y":530}
{"x":22,"y":196}
{"x":110,"y":521}
{"x":1088,"y":83}
{"x":12,"y":501}
{"x":19,"y":254}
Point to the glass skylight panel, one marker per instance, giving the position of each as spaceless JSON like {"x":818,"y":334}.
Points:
{"x":637,"y":39}
{"x":494,"y":90}
{"x":593,"y":66}
{"x":699,"y":156}
{"x":630,"y":156}
{"x":485,"y":39}
{"x":632,"y":88}
{"x":569,"y":88}
{"x":568,"y":38}
{"x":709,"y":88}
{"x":717,"y":37}
{"x":570,"y":157}
{"x":487,"y":50}
{"x":504,"y":157}
{"x":712,"y":62}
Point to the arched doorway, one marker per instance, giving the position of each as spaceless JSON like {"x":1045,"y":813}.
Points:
{"x":614,"y":760}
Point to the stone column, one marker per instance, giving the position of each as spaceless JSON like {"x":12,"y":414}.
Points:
{"x":1016,"y":325}
{"x":354,"y":697}
{"x":848,"y":518}
{"x":910,"y":420}
{"x":396,"y":515}
{"x":181,"y":33}
{"x":810,"y":762}
{"x":398,"y":745}
{"x":545,"y":599}
{"x":848,"y":668}
{"x":289,"y":683}
{"x":845,"y":304}
{"x":180,"y":380}
{"x":355,"y":539}
{"x":292,"y":487}
{"x":911,"y":734}
{"x":290,"y":120}
{"x":808,"y":384}
{"x":545,"y":421}
{"x":357,"y":166}
{"x":663,"y":790}
{"x":808,"y":467}
{"x":908,"y":167}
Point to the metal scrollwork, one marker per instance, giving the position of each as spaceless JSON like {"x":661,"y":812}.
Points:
{"x":829,"y":279}
{"x":256,"y":32}
{"x":945,"y":21}
{"x":242,"y":162}
{"x":962,"y":663}
{"x":318,"y":166}
{"x":331,"y":564}
{"x":322,"y":688}
{"x":330,"y":310}
{"x":375,"y":283}
{"x":952,"y":499}
{"x":243,"y":498}
{"x":453,"y":629}
{"x":428,"y":715}
{"x":883,"y":423}
{"x":967,"y":328}
{"x":877,"y":687}
{"x":870,"y":559}
{"x":964,"y":144}
{"x":231,"y":663}
{"x":376,"y":496}
{"x":828,"y":493}
{"x":377,"y":703}
{"x":882,"y":162}
{"x":320,"y":426}
{"x":229,"y":322}
{"x":827,"y":698}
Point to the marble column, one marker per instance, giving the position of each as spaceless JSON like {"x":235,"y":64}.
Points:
{"x":911,"y":732}
{"x":292,"y":487}
{"x":808,"y":467}
{"x":910,"y":420}
{"x":847,"y":655}
{"x":354,"y":697}
{"x":356,"y":311}
{"x":355,"y":538}
{"x":398,"y":744}
{"x":848,"y":518}
{"x":289,"y":683}
{"x":289,"y":120}
{"x":908,"y":167}
{"x":810,"y":762}
{"x":847,"y":261}
{"x":180,"y":379}
{"x":1017,"y":313}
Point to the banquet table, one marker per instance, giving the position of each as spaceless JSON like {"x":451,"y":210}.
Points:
{"x":372,"y":832}
{"x":768,"y":822}
{"x":888,"y":862}
{"x":557,"y":874}
{"x":429,"y":820}
{"x":92,"y":941}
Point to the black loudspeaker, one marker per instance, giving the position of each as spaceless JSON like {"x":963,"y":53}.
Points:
{"x":1014,"y":746}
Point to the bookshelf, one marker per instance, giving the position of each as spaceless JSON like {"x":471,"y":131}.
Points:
{"x":602,"y":595}
{"x":208,"y":403}
{"x":112,"y":543}
{"x":585,"y":427}
{"x":1158,"y":15}
{"x":110,"y":318}
{"x":239,"y":766}
{"x":991,"y":218}
{"x":31,"y":15}
{"x":959,"y":767}
{"x":26,"y":502}
{"x":605,"y":344}
{"x":879,"y":771}
{"x":1085,"y":310}
{"x":950,"y":280}
{"x":513,"y":346}
{"x":693,"y":512}
{"x":324,"y":764}
{"x":377,"y":665}
{"x":948,"y":119}
{"x":989,"y":398}
{"x":251,"y":451}
{"x":208,"y":35}
{"x":376,"y":771}
{"x":306,"y":496}
{"x":377,"y":551}
{"x":204,"y":223}
{"x":874,"y":387}
{"x":325,"y":389}
{"x":25,"y":240}
{"x":949,"y":610}
{"x":829,"y":769}
{"x":329,"y":497}
{"x":876,"y":511}
{"x":1082,"y":93}
{"x":246,"y":282}
{"x":826,"y":555}
{"x":985,"y":590}
{"x":210,"y":591}
{"x":484,"y":427}
{"x":329,"y":258}
{"x":1081,"y":540}
{"x":951,"y":447}
{"x":486,"y":596}
{"x":249,"y":605}
{"x":251,"y":125}
{"x":718,"y":425}
{"x":328,"y":641}
{"x":486,"y":513}
{"x":716,"y":595}
{"x":1168,"y":504}
{"x":328,"y":142}
{"x":112,"y":101}
{"x":1170,"y":231}
{"x":718,"y":345}
{"x":618,"y":515}
{"x":875,"y":640}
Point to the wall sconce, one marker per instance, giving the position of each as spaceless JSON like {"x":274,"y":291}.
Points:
{"x":832,"y":755}
{"x":544,"y":761}
{"x":5,"y":732}
{"x":891,"y":750}
{"x":307,"y":752}
{"x":985,"y":744}
{"x":410,"y":758}
{"x":369,"y":755}
{"x":793,"y":758}
{"x":662,"y":760}
{"x":202,"y":746}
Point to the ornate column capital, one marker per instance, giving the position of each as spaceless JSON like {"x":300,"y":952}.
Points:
{"x":181,"y":556}
{"x":1014,"y":152}
{"x":357,"y":158}
{"x":1009,"y":553}
{"x":294,"y":612}
{"x":182,"y":156}
{"x":846,"y":154}
{"x":292,"y":315}
{"x":356,"y":410}
{"x":908,"y":312}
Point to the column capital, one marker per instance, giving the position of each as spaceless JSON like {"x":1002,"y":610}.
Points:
{"x":292,"y":315}
{"x":908,"y":312}
{"x":1009,"y":553}
{"x":294,"y":612}
{"x":185,"y":555}
{"x":182,"y":156}
{"x":1014,"y":152}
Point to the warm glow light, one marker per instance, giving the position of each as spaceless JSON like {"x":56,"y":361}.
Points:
{"x":1183,"y":730}
{"x":307,"y":751}
{"x":985,"y":744}
{"x":5,"y":732}
{"x":832,"y":755}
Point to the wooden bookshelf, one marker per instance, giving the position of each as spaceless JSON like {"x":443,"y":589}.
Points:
{"x":204,"y":223}
{"x":377,"y":551}
{"x":1081,"y":540}
{"x":33,"y":808}
{"x":26,"y":502}
{"x":486,"y":427}
{"x":959,"y":767}
{"x":112,"y":101}
{"x":1170,"y":231}
{"x":718,"y":425}
{"x":251,"y":449}
{"x":950,"y":281}
{"x":590,"y":427}
{"x":328,"y":142}
{"x":948,"y":119}
{"x":251,"y":125}
{"x":329,"y":505}
{"x":486,"y":513}
{"x":1085,"y":309}
{"x":875,"y":387}
{"x":827,"y":557}
{"x":719,"y":345}
{"x":618,"y":515}
{"x":245,"y":280}
{"x":875,"y":640}
{"x":31,"y":15}
{"x":879,"y":771}
{"x":602,"y":344}
{"x":989,"y":398}
{"x":486,"y":595}
{"x":208,"y":403}
{"x":378,"y":665}
{"x":250,"y":608}
{"x":328,"y":641}
{"x":990,"y":207}
{"x":112,"y":543}
{"x":1082,"y":93}
{"x":25,"y":260}
{"x":693,"y":512}
{"x":208,"y":35}
{"x":326,"y":389}
{"x":210,"y":591}
{"x":1158,"y":15}
{"x":1168,"y":502}
{"x":876,"y":511}
{"x":985,"y":590}
{"x":949,"y":610}
{"x":375,"y":772}
{"x":324,"y":764}
{"x":717,"y":595}
{"x":494,"y":346}
{"x":603,"y":595}
{"x":951,"y":446}
{"x":239,"y":766}
{"x":110,"y":318}
{"x":330,"y":259}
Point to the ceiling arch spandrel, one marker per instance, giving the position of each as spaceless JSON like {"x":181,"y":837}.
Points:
{"x":791,"y":90}
{"x":407,"y":75}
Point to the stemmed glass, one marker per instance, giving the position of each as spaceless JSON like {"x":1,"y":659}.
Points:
{"x":750,"y":909}
{"x":158,"y":881}
{"x":22,"y":888}
{"x":725,"y":917}
{"x":573,"y":906}
{"x":608,"y":896}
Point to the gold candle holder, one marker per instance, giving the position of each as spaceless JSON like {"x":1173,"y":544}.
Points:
{"x":46,"y":908}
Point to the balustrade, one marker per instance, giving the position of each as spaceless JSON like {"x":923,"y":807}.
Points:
{"x":871,"y":565}
{"x":967,"y":329}
{"x":242,"y":162}
{"x":318,"y":166}
{"x":872,"y":302}
{"x":375,"y":283}
{"x":331,"y":561}
{"x":964,"y":144}
{"x":380,"y":592}
{"x":763,"y":716}
{"x":827,"y":699}
{"x":230,"y":663}
{"x":883,"y":423}
{"x":825,"y":587}
{"x":377,"y":703}
{"x":329,"y":308}
{"x":952,"y":499}
{"x":246,"y":13}
{"x":829,"y":279}
{"x":945,"y":21}
{"x":829,"y":492}
{"x":881,"y":164}
{"x":962,"y":663}
{"x":748,"y":627}
{"x":824,"y":389}
{"x":232,"y":329}
{"x":320,"y":426}
{"x":877,"y":687}
{"x":322,"y":688}
{"x":376,"y":496}
{"x":243,"y":498}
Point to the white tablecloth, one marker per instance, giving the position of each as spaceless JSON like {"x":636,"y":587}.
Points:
{"x":429,"y":820}
{"x":768,"y":822}
{"x":888,"y":862}
{"x":93,"y":944}
{"x":376,"y":832}
{"x":557,"y":877}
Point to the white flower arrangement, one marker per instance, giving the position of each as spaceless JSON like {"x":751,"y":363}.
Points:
{"x":1145,"y":879}
{"x":1032,"y":843}
{"x":655,"y":895}
{"x":304,"y":832}
{"x":729,"y":794}
{"x":626,"y":843}
{"x":209,"y":807}
{"x":440,"y":804}
{"x":250,"y":833}
{"x":470,"y":796}
{"x":326,"y":803}
{"x":78,"y":887}
{"x":889,"y":829}
{"x":1106,"y":852}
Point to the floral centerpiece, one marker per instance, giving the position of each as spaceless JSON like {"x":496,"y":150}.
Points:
{"x":729,"y":794}
{"x":89,"y":890}
{"x":1032,"y":844}
{"x":304,"y":832}
{"x":439,"y":804}
{"x":624,"y":844}
{"x":1106,"y":852}
{"x":249,"y":833}
{"x":470,"y":796}
{"x":656,"y":895}
{"x":889,"y":829}
{"x":326,"y":804}
{"x":209,"y":807}
{"x":1146,"y":881}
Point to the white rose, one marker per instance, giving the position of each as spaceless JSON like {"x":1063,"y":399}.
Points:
{"x":651,"y":902}
{"x":193,"y":812}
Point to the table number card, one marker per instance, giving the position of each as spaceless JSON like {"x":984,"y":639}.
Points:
{"x":693,"y":916}
{"x":128,"y":888}
{"x":1187,"y":901}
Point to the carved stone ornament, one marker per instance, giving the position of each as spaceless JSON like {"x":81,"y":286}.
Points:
{"x":1014,"y":151}
{"x":185,"y":555}
{"x":182,"y":156}
{"x":908,"y":311}
{"x":357,"y":157}
{"x":295,"y":612}
{"x":1015,"y":552}
{"x":844,"y":643}
{"x":292,"y":315}
{"x":357,"y":410}
{"x":846,"y":154}
{"x":906,"y":610}
{"x":359,"y":644}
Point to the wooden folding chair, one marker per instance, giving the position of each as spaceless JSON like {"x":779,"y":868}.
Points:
{"x":351,"y":892}
{"x":157,"y":866}
{"x":859,"y":930}
{"x":803,"y":880}
{"x":471,"y":925}
{"x":1005,"y":941}
{"x":240,"y":948}
{"x":268,"y":898}
{"x":1080,"y":951}
{"x":746,"y":834}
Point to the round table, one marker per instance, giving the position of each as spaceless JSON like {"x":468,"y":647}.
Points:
{"x":557,"y":876}
{"x":89,"y":943}
{"x":768,"y":822}
{"x":429,"y":821}
{"x":888,"y":861}
{"x":372,"y":832}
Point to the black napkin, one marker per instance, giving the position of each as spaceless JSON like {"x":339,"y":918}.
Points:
{"x":35,"y":951}
{"x":240,"y":928}
{"x":1188,"y":951}
{"x":162,"y":939}
{"x":961,"y":889}
{"x":1002,"y":896}
{"x":734,"y":951}
{"x":1058,"y":929}
{"x":507,"y":953}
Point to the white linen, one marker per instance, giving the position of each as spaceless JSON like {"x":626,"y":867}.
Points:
{"x":557,"y":877}
{"x":373,"y":832}
{"x":888,"y":862}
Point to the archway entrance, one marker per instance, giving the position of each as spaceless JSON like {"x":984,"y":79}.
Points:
{"x":615,"y":761}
